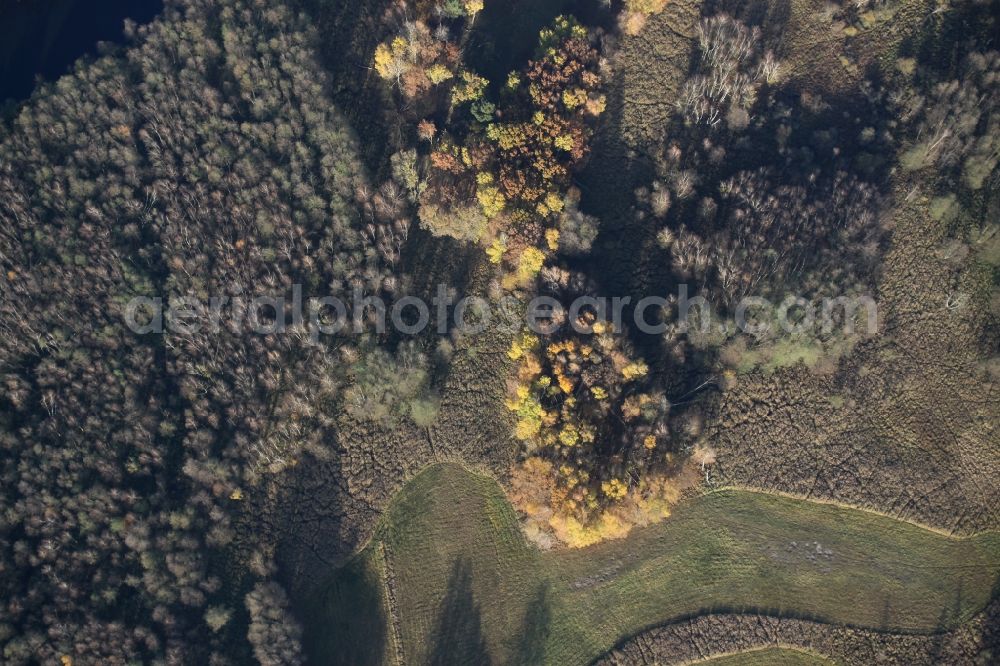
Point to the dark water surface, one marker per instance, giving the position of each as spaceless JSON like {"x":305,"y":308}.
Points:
{"x":43,"y":38}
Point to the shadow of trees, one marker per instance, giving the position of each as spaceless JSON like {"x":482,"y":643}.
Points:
{"x":536,"y":629}
{"x":459,"y":640}
{"x":989,"y":640}
{"x":350,"y":31}
{"x":348,"y":620}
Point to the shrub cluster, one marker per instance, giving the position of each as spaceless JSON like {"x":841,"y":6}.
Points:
{"x":759,"y":197}
{"x":510,"y":162}
{"x":957,"y":123}
{"x":594,"y":428}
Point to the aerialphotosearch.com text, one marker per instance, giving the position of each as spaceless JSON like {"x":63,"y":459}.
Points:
{"x":410,"y":315}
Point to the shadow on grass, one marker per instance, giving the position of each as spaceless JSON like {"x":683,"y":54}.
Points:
{"x":536,"y":629}
{"x":459,"y":637}
{"x":345,"y":620}
{"x":989,"y":640}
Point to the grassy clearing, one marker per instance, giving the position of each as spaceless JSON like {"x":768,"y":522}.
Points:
{"x":468,"y":588}
{"x":769,"y":657}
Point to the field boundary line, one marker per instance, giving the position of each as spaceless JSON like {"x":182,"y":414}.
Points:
{"x":853,"y":507}
{"x":760,"y":648}
{"x":389,"y":578}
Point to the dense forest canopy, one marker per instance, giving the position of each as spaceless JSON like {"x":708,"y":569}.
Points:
{"x":205,"y":159}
